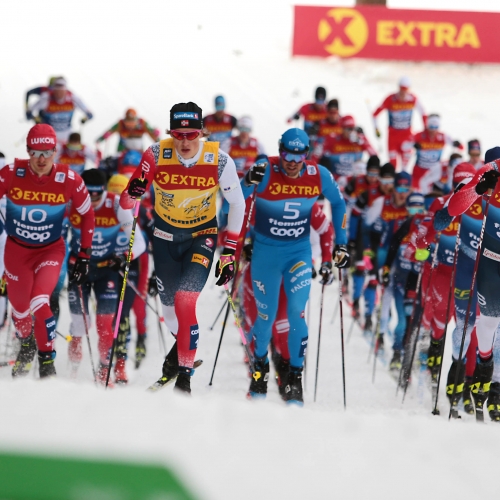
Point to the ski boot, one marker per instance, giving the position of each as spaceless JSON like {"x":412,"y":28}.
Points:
{"x":480,"y":386}
{"x":258,"y":384}
{"x":282,"y":369}
{"x":25,"y":357}
{"x":434,"y":358}
{"x":102,"y":375}
{"x":455,"y":393}
{"x":355,"y":309}
{"x":494,"y":402}
{"x":183,"y":382}
{"x":467,"y":397}
{"x":46,"y":367}
{"x":293,"y":388}
{"x":140,"y":350}
{"x":395,"y":364}
{"x":367,"y":329}
{"x":120,"y":371}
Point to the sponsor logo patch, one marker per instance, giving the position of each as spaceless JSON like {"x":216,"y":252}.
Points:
{"x":265,"y":317}
{"x":209,"y":242}
{"x":200,"y":259}
{"x":194,"y":337}
{"x":303,"y":347}
{"x":20,"y":172}
{"x":60,"y":176}
{"x":296,"y":266}
{"x":260,"y":286}
{"x":163,"y":235}
{"x":167,"y":154}
{"x":311,"y":169}
{"x":491,"y":255}
{"x":209,"y":157}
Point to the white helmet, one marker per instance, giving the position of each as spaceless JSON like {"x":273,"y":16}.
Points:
{"x":405,"y":82}
{"x":245,"y":123}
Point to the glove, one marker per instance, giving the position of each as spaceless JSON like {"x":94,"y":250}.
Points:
{"x":256,"y":172}
{"x":248,"y":250}
{"x":152,"y":286}
{"x":326,"y":272}
{"x":84,"y":120}
{"x":422,"y":254}
{"x":29,"y":115}
{"x":81,"y":268}
{"x":457,"y":144}
{"x":137,"y":187}
{"x":226,"y":267}
{"x":368,"y":256}
{"x":341,"y":256}
{"x":384,"y":275}
{"x":377,"y":133}
{"x":417,"y":146}
{"x":488,"y":181}
{"x":3,"y":287}
{"x":116,"y":262}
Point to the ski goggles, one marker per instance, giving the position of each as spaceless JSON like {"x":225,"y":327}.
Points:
{"x":402,"y":189}
{"x":46,"y":153}
{"x":285,"y":155}
{"x":415,"y":210}
{"x":180,"y":136}
{"x":372,"y":174}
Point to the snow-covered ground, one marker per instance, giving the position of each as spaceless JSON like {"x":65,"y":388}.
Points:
{"x":150,"y":55}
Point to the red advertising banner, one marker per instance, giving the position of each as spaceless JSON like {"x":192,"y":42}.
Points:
{"x":381,"y":33}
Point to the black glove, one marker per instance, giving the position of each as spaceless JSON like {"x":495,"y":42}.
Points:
{"x":29,"y":115}
{"x":226,"y":267}
{"x":417,"y":146}
{"x":137,"y":187}
{"x":81,"y":268}
{"x":247,"y":251}
{"x":488,"y":181}
{"x":256,"y":172}
{"x":341,"y":256}
{"x":152,"y":286}
{"x":384,"y":275}
{"x":326,"y":271}
{"x":116,"y":262}
{"x":457,"y":144}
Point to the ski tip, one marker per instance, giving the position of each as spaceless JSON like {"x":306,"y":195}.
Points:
{"x":293,"y":402}
{"x":256,"y":395}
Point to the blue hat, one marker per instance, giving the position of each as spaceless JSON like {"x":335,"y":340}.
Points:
{"x":415,"y":200}
{"x":492,"y":154}
{"x":402,"y":179}
{"x":294,"y":140}
{"x":220,"y":103}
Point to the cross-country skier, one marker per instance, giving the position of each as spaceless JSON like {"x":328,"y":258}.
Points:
{"x":75,"y":154}
{"x":429,"y":145}
{"x":186,"y":174}
{"x":327,"y":126}
{"x":131,"y":130}
{"x":472,"y":194}
{"x":285,"y":194}
{"x":474,"y":150}
{"x":339,"y":152}
{"x":38,"y":191}
{"x":312,"y":114}
{"x":220,"y":125}
{"x":56,"y":107}
{"x":113,"y":227}
{"x":400,"y":108}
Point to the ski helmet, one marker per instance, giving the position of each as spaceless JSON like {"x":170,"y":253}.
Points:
{"x":245,"y":124}
{"x":117,"y":183}
{"x":95,"y":180}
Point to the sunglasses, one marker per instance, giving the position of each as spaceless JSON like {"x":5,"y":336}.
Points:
{"x":45,"y":153}
{"x":385,"y":180}
{"x":190,"y":136}
{"x":293,"y":157}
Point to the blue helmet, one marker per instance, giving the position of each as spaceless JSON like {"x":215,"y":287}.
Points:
{"x":131,"y":158}
{"x":296,"y":142}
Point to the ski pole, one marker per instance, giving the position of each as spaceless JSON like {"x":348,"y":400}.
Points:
{"x":124,"y":285}
{"x":218,"y":315}
{"x":435,"y":411}
{"x":82,"y":305}
{"x":68,"y":338}
{"x":319,"y":339}
{"x":376,"y":337}
{"x":413,"y":344}
{"x":469,"y":302}
{"x":220,"y":342}
{"x":255,"y":375}
{"x":342,"y":335}
{"x":161,"y":319}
